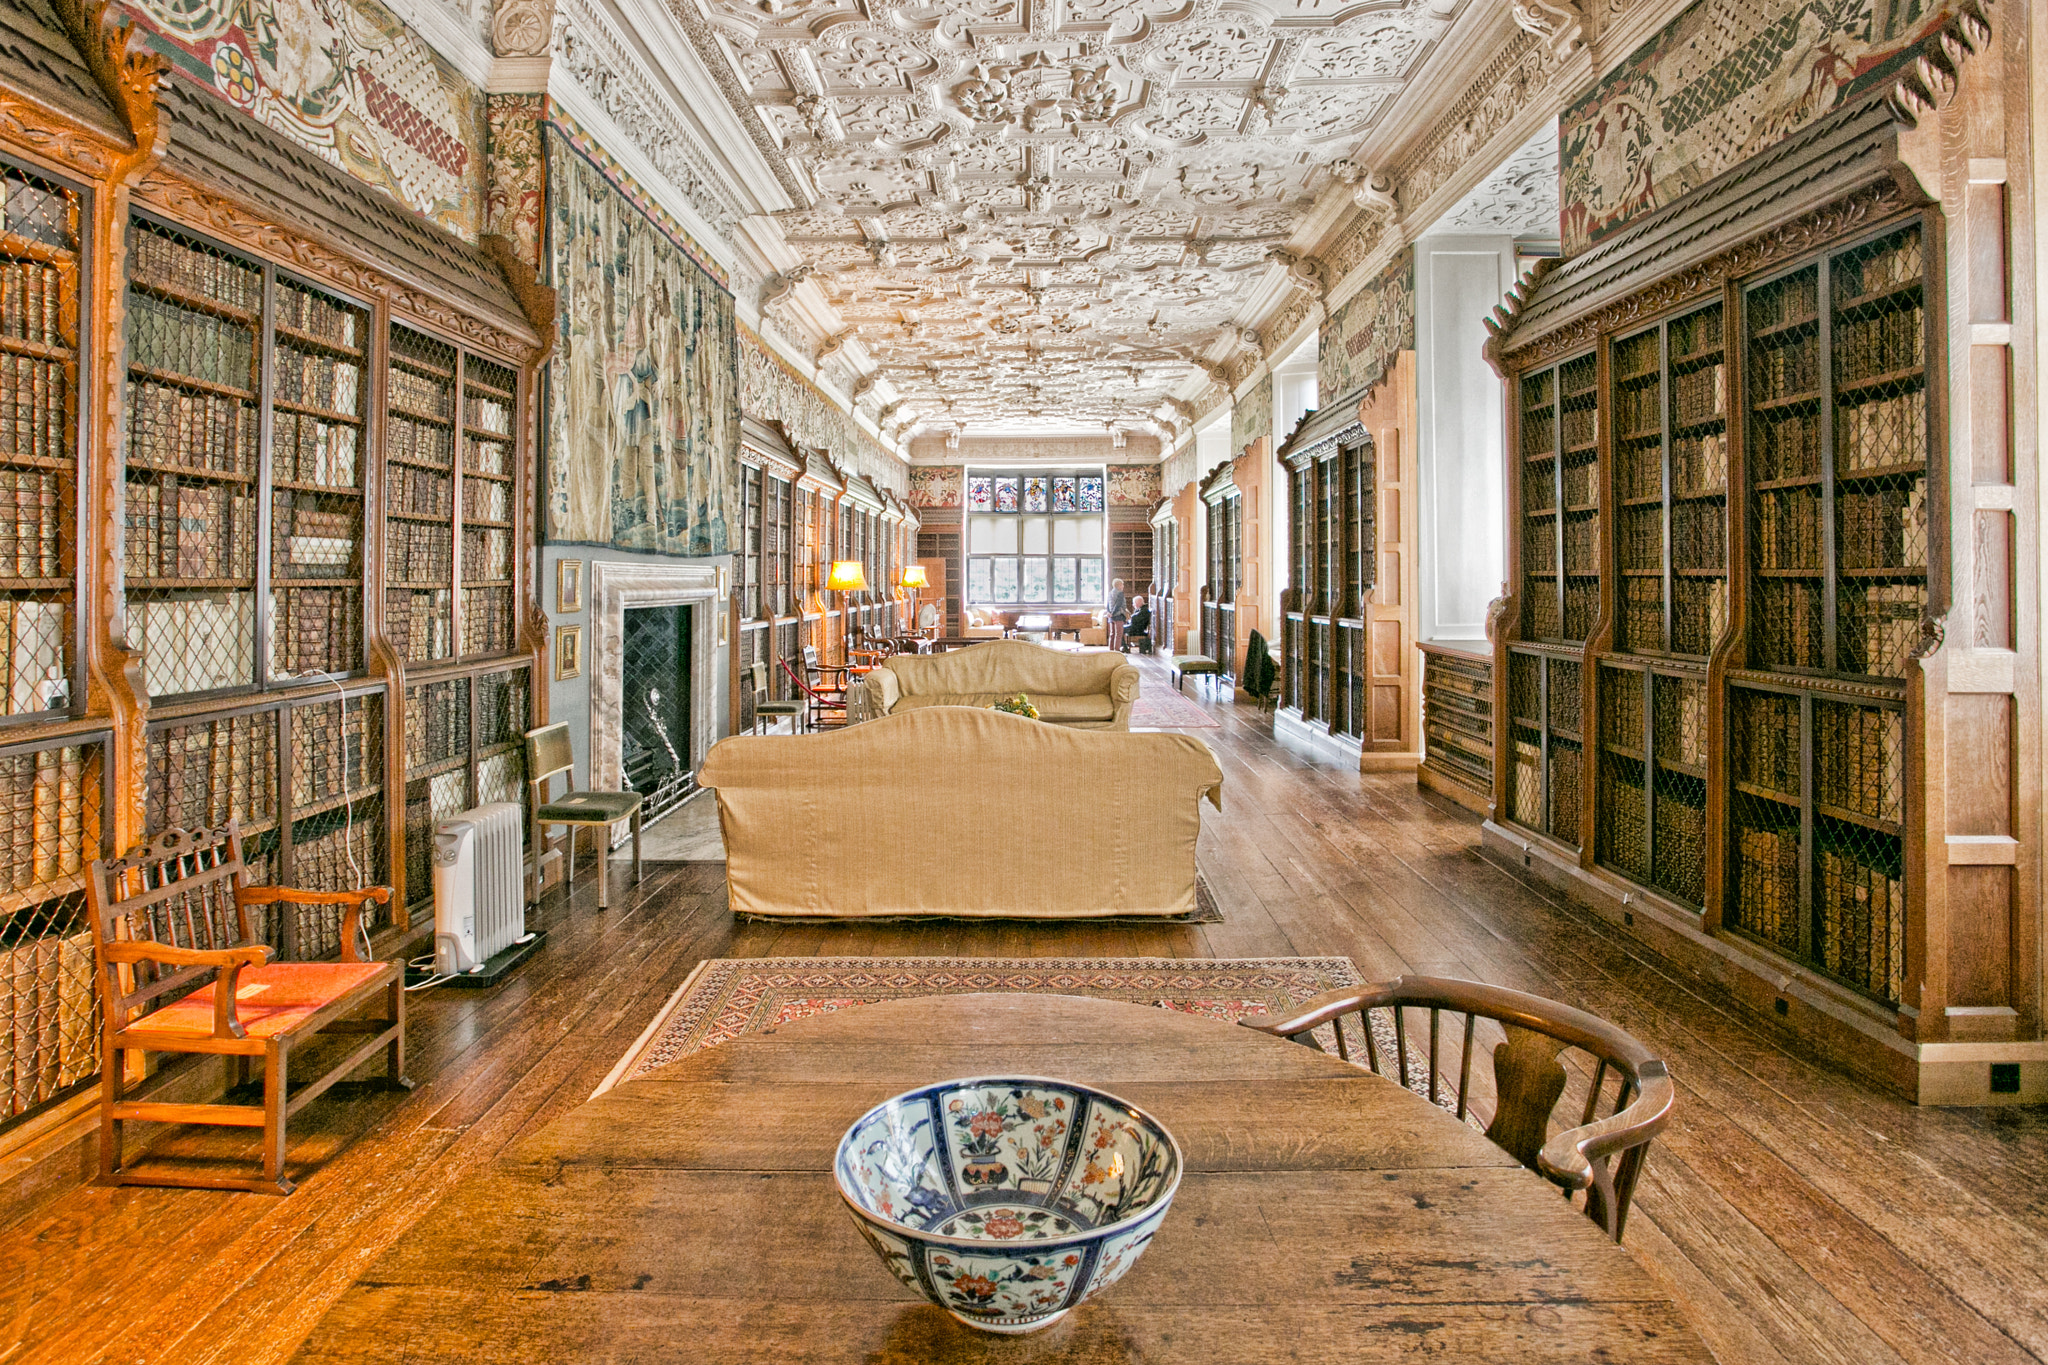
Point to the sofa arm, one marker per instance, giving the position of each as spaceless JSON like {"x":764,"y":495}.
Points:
{"x":884,"y":691}
{"x":1124,"y":683}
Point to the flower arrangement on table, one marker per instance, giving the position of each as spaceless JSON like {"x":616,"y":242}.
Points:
{"x":1019,"y":705}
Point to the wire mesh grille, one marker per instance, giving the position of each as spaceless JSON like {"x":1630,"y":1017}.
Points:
{"x":50,"y":802}
{"x":1525,"y":711}
{"x":419,"y":548}
{"x":1565,"y":695}
{"x":1621,"y":708}
{"x":1624,"y":830}
{"x":1680,"y":836}
{"x":437,"y":745}
{"x":194,"y":316}
{"x":1352,"y":683}
{"x":1765,"y":755}
{"x":1565,"y":790}
{"x":39,"y":321}
{"x":504,"y":714}
{"x":488,"y":406}
{"x":316,"y":518}
{"x":1881,"y":444}
{"x":337,"y":831}
{"x":654,"y":700}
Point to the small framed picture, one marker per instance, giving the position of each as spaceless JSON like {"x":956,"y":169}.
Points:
{"x":568,"y":652}
{"x":568,"y":585}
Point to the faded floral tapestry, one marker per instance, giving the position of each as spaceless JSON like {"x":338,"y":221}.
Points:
{"x":1722,"y":82}
{"x":345,"y":79}
{"x":644,"y":438}
{"x":1362,"y":339}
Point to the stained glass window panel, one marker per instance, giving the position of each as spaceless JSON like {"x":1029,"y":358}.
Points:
{"x":1035,"y":495}
{"x":1006,"y":579}
{"x":1066,"y":579}
{"x":1063,"y":495}
{"x":1091,"y":493}
{"x":1006,"y":495}
{"x":978,"y":581}
{"x":1034,"y":580}
{"x":1091,"y":581}
{"x":981,"y":494}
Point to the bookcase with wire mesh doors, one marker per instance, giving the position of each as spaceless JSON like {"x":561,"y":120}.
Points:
{"x":1558,"y":553}
{"x":1797,"y":724}
{"x":261,"y":503}
{"x":1771,"y":792}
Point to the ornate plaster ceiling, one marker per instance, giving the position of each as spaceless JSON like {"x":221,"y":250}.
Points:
{"x":1519,"y":198}
{"x":1053,"y":210}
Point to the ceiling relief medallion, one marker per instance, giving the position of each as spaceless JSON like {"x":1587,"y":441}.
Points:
{"x":1054,"y":211}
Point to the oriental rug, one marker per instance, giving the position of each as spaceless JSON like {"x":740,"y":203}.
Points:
{"x":727,"y":998}
{"x":1159,"y":707}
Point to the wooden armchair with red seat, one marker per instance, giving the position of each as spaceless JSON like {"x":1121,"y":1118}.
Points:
{"x":180,"y":972}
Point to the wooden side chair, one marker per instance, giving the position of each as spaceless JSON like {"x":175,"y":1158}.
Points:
{"x":767,"y":707}
{"x":180,"y":972}
{"x":826,"y":701}
{"x":1602,"y":1156}
{"x":548,"y":753}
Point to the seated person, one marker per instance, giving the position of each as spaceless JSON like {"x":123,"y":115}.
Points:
{"x":1139,"y":627}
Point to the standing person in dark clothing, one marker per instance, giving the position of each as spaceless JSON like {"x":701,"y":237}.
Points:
{"x":1139,"y":627}
{"x":1119,"y":609}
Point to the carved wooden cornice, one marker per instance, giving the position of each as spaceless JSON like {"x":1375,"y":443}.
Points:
{"x":1706,"y":279}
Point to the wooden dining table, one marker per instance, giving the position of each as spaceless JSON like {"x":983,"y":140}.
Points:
{"x":1326,"y":1215}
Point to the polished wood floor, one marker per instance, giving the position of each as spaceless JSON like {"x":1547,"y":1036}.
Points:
{"x":1797,"y":1216}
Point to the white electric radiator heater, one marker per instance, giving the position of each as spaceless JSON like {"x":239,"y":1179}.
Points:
{"x":479,"y":886}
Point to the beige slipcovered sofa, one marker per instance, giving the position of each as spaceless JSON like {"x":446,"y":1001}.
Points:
{"x":958,"y":812}
{"x":1084,"y":691}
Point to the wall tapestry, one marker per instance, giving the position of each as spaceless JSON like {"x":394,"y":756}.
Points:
{"x":1251,"y":416}
{"x":593,"y":151}
{"x":1362,"y":339}
{"x":1722,"y":82}
{"x":935,"y":485}
{"x":1133,"y":485}
{"x":345,"y":79}
{"x":645,"y":422}
{"x":773,"y":392}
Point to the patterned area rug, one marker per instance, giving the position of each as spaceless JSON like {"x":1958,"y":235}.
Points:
{"x":1161,"y":708}
{"x":727,"y":998}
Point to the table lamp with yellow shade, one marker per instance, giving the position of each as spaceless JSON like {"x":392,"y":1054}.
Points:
{"x":846,"y":576}
{"x":915,"y":582}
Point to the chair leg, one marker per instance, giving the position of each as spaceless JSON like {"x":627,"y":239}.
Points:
{"x":604,"y":856}
{"x":569,"y":865}
{"x":394,"y":1051}
{"x":110,"y":1127}
{"x":636,"y":847}
{"x":276,"y":1071}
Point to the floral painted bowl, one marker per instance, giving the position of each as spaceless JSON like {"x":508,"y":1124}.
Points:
{"x":1007,"y":1200}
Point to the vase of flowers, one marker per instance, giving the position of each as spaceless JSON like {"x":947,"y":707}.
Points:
{"x":1019,"y":705}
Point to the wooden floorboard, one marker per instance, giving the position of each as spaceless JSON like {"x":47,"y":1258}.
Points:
{"x":1797,"y":1215}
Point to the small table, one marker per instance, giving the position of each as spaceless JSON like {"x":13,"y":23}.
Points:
{"x":1326,"y":1215}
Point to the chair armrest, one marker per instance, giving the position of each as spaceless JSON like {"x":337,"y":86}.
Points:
{"x":884,"y":691}
{"x":1124,"y":683}
{"x":1311,"y":1015}
{"x":352,"y":903}
{"x":1568,"y":1158}
{"x":226,"y":1023}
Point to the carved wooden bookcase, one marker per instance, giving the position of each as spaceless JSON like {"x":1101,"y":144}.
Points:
{"x":198,"y":323}
{"x":1330,"y":498}
{"x":1747,"y":522}
{"x":1223,"y":544}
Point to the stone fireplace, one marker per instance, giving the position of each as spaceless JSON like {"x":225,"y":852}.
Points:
{"x":646,"y":725}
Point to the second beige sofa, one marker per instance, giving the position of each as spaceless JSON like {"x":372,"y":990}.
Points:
{"x":1085,"y":691}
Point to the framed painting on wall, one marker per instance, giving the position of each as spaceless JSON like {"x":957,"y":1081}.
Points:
{"x":568,"y":586}
{"x":568,"y":652}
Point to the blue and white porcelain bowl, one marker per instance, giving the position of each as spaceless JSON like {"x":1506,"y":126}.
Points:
{"x":1008,"y":1200}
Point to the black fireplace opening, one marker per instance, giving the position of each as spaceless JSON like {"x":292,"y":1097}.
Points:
{"x":654,"y":706}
